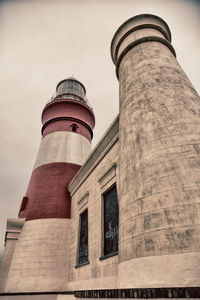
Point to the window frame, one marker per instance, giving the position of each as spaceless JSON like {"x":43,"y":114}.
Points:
{"x":78,"y":264}
{"x":114,"y":253}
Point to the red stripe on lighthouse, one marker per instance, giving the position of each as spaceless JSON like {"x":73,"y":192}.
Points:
{"x":47,"y":192}
{"x":70,"y":108}
{"x":66,"y":125}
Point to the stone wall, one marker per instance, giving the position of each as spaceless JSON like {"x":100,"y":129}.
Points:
{"x":88,"y":194}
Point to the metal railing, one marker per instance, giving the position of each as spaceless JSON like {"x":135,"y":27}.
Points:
{"x":66,"y":96}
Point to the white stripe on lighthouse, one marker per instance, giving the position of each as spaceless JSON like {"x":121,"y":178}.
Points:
{"x":63,"y":146}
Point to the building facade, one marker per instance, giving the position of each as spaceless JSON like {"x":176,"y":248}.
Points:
{"x":121,"y":221}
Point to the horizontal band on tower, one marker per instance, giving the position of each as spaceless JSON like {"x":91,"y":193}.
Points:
{"x":142,"y":26}
{"x":138,"y":42}
{"x":63,"y":146}
{"x":69,"y":119}
{"x":140,"y":17}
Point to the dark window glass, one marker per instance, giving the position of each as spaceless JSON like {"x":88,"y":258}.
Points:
{"x":71,"y":87}
{"x":83,"y":238}
{"x":74,"y":127}
{"x":111,"y":219}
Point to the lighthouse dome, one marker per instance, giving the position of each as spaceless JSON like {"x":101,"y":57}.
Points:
{"x":71,"y":88}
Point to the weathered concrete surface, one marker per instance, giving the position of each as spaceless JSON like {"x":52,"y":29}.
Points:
{"x":159,"y":163}
{"x":177,"y":270}
{"x":13,"y":229}
{"x":40,"y":260}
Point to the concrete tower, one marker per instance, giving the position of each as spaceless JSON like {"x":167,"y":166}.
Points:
{"x":159,"y":159}
{"x":68,"y":121}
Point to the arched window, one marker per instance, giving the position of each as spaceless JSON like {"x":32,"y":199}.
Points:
{"x":74,"y":127}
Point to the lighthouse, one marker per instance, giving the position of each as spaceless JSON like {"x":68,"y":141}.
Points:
{"x":68,"y":121}
{"x":36,"y":254}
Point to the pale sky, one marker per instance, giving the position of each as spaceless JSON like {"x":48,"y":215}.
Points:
{"x":45,"y":41}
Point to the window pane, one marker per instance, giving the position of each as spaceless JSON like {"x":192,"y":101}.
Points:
{"x":83,"y":239}
{"x":71,"y":87}
{"x":111,"y":216}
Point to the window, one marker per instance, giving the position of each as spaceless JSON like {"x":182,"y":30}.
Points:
{"x":83,"y":239}
{"x":111,"y":220}
{"x":74,"y":127}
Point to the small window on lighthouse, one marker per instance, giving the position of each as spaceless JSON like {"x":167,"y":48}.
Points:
{"x":74,"y":127}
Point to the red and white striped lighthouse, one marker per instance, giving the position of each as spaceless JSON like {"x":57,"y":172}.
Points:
{"x":68,"y":121}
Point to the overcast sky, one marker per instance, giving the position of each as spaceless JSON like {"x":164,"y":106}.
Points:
{"x":45,"y":41}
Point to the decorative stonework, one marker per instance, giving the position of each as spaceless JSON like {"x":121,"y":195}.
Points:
{"x":150,"y":293}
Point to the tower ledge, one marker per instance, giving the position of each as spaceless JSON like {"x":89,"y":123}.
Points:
{"x":136,"y":30}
